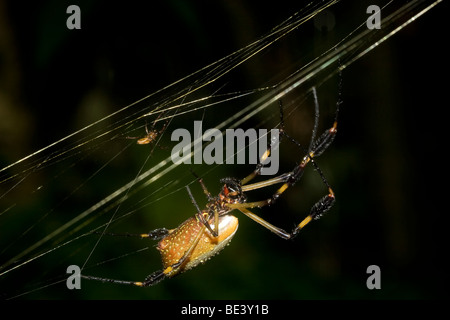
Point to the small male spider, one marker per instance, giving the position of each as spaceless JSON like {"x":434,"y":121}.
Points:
{"x":151,"y":134}
{"x":206,"y":233}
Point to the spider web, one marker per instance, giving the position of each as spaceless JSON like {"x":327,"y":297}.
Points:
{"x":96,"y":180}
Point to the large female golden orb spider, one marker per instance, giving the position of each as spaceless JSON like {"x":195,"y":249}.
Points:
{"x":207,"y":232}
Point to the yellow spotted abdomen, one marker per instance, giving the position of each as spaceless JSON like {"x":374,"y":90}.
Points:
{"x":179,"y":240}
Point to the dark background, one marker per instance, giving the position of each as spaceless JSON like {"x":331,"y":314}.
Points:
{"x":387,"y":166}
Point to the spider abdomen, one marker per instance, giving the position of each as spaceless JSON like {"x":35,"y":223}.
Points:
{"x":174,"y":246}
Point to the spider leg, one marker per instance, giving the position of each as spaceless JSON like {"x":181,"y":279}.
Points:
{"x":152,"y":279}
{"x":156,"y":234}
{"x":316,"y":148}
{"x":201,"y":217}
{"x":160,"y":275}
{"x":166,"y":123}
{"x":205,"y":190}
{"x":210,"y":198}
{"x":317,"y":210}
{"x":290,"y":178}
{"x":266,"y":153}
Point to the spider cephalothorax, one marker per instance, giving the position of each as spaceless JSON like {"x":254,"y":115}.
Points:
{"x":232,"y":191}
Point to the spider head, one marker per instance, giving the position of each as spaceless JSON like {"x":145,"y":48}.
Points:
{"x":232,"y":191}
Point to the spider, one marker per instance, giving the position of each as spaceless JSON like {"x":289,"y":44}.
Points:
{"x":151,"y":134}
{"x":207,"y":232}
